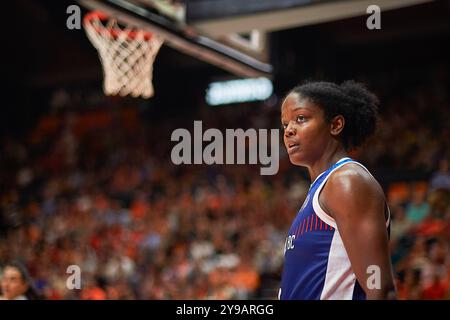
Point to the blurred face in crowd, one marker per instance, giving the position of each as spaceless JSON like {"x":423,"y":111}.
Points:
{"x":306,"y":133}
{"x":12,"y":283}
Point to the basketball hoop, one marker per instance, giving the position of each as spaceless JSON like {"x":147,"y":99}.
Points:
{"x":127,"y":55}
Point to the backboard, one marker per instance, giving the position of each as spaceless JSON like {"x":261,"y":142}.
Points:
{"x":231,"y":34}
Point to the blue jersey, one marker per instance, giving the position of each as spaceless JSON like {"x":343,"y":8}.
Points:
{"x":316,"y":264}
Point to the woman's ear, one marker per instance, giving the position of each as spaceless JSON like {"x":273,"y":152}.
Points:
{"x":337,"y":125}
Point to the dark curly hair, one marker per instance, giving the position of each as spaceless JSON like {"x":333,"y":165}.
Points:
{"x":352,"y":100}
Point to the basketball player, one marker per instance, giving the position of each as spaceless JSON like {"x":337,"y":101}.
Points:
{"x":337,"y":246}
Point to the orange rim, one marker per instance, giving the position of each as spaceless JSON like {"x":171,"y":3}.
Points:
{"x":115,"y":32}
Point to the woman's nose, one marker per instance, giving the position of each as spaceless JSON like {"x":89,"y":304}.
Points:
{"x":289,"y":131}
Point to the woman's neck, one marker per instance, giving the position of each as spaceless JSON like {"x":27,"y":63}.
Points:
{"x":326,"y":161}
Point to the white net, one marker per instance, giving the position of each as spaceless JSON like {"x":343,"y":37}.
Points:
{"x":126,"y":54}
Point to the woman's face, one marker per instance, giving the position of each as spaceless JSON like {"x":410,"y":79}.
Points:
{"x":12,"y":283}
{"x":306,"y":133}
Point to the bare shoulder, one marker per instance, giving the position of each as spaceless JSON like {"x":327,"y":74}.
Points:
{"x":352,"y":187}
{"x":354,"y":178}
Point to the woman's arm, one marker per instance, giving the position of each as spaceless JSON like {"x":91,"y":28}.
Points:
{"x":356,"y":201}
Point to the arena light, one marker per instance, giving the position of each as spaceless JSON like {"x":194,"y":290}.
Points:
{"x":236,"y":91}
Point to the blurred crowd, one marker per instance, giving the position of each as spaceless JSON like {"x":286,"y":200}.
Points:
{"x":97,"y":189}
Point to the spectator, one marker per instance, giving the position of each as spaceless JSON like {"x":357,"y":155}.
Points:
{"x":418,"y":209}
{"x":16,"y":283}
{"x":441,"y":179}
{"x":436,"y":290}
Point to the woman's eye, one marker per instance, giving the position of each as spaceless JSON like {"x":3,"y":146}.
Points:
{"x":300,"y":118}
{"x":284,"y":126}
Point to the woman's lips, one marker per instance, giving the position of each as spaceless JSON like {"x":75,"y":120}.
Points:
{"x":293,"y":147}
